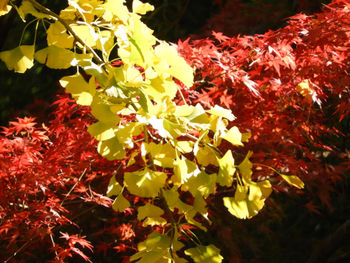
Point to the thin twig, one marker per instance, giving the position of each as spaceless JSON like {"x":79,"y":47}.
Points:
{"x":69,"y":29}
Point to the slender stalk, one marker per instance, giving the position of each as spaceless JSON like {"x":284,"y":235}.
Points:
{"x":45,"y":10}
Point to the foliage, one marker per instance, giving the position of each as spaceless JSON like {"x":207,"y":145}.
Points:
{"x":172,"y":155}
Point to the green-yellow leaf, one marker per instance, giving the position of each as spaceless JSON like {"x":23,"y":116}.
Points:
{"x":114,"y":188}
{"x":221,"y":112}
{"x":226,"y":169}
{"x":203,"y":183}
{"x":120,"y":203}
{"x":152,"y":214}
{"x":245,"y":168}
{"x":58,"y":58}
{"x":111,"y":149}
{"x":205,"y":254}
{"x":141,"y":8}
{"x":293,"y":180}
{"x":145,"y":183}
{"x":234,"y":136}
{"x":57,"y":35}
{"x":4,"y":8}
{"x":177,"y":66}
{"x":82,"y":91}
{"x":102,"y":131}
{"x":18,"y":59}
{"x":102,"y":111}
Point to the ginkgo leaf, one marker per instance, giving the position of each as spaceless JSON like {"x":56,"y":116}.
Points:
{"x":178,"y":67}
{"x":155,"y":249}
{"x":151,"y":214}
{"x":145,"y":183}
{"x":27,"y":8}
{"x":293,"y":180}
{"x":115,"y":8}
{"x":58,"y":58}
{"x":120,"y":203}
{"x":222,"y":112}
{"x":206,"y":156}
{"x":111,"y":149}
{"x":102,"y":131}
{"x":163,"y":154}
{"x":82,"y":91}
{"x":114,"y":188}
{"x":234,"y":136}
{"x":245,"y":168}
{"x":141,"y":8}
{"x":57,"y":35}
{"x":183,"y":169}
{"x":226,"y":169}
{"x":203,"y":183}
{"x":205,"y":254}
{"x":18,"y":59}
{"x":102,"y":111}
{"x":259,"y":190}
{"x":4,"y":8}
{"x":85,"y":33}
{"x":243,"y":209}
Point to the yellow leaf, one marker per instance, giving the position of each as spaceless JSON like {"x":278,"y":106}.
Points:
{"x":81,"y":91}
{"x":120,"y":203}
{"x":58,"y":58}
{"x":202,"y":182}
{"x":205,"y":254}
{"x":177,"y":66}
{"x":145,"y":183}
{"x":4,"y":7}
{"x":245,"y":168}
{"x":115,"y":9}
{"x":102,"y":131}
{"x":243,"y":209}
{"x":222,"y":112}
{"x":18,"y":59}
{"x":28,"y":8}
{"x":111,"y":149}
{"x":152,"y":214}
{"x":293,"y":180}
{"x":141,"y":8}
{"x":114,"y":188}
{"x":156,"y":249}
{"x":57,"y":35}
{"x":234,"y":136}
{"x":102,"y":111}
{"x":86,"y":33}
{"x":259,"y":190}
{"x":183,"y":169}
{"x":226,"y":169}
{"x":163,"y":154}
{"x":206,"y":156}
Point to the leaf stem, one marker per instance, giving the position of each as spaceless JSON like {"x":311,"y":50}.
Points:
{"x":69,"y":29}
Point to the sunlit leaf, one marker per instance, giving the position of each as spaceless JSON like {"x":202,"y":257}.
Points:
{"x":234,"y":136}
{"x":57,"y":35}
{"x":111,"y":149}
{"x":226,"y":169}
{"x":145,"y":183}
{"x":58,"y":58}
{"x":141,"y":8}
{"x":177,"y":66}
{"x":151,"y":214}
{"x":205,"y":254}
{"x":18,"y":59}
{"x":82,"y":91}
{"x":293,"y":180}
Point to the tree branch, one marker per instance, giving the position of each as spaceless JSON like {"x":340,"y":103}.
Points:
{"x":45,"y":10}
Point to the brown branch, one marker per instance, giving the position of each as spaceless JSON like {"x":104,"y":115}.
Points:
{"x":45,"y":10}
